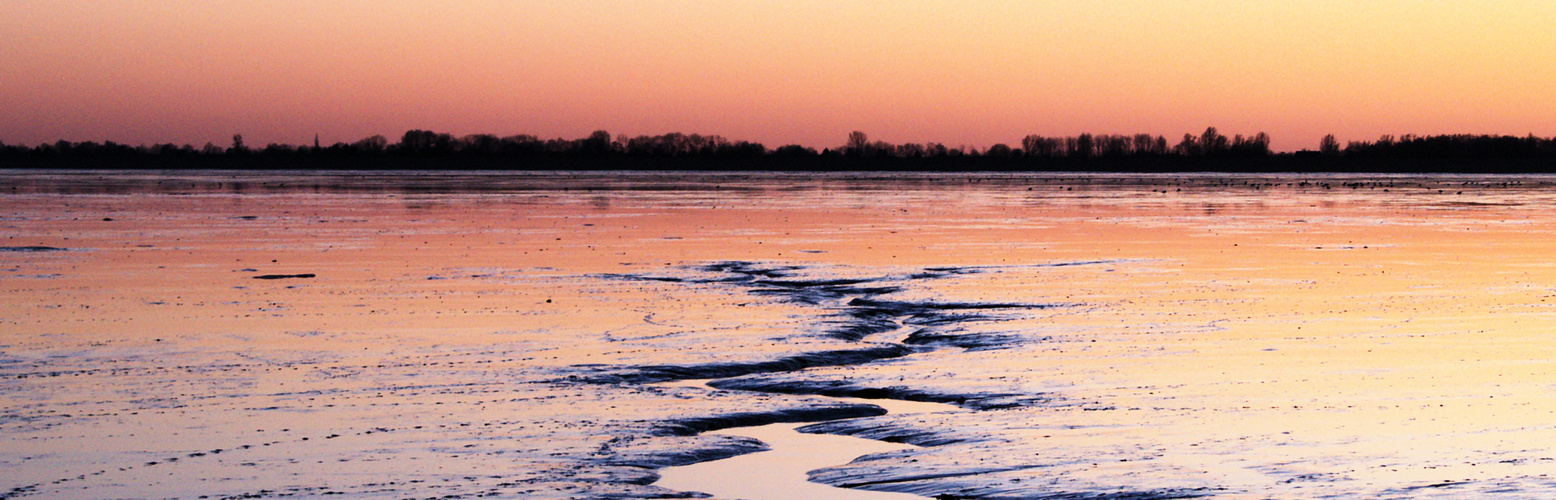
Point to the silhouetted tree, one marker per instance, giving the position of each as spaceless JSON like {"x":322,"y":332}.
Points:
{"x":1189,"y":146}
{"x":1462,"y":146}
{"x":482,"y":144}
{"x":1082,"y":147}
{"x":909,"y":150}
{"x":1213,"y":143}
{"x":1043,"y":147}
{"x":375,"y":144}
{"x":274,"y":149}
{"x":1032,"y":144}
{"x":523,"y":144}
{"x":1114,"y":146}
{"x":880,"y":148}
{"x":1258,"y":145}
{"x":1139,"y":151}
{"x":858,"y":144}
{"x":794,"y":150}
{"x":1144,"y":144}
{"x":421,"y":142}
{"x":1329,"y":146}
{"x":744,"y":149}
{"x":598,"y":143}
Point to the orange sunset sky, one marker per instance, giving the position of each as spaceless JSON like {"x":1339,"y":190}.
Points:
{"x":772,"y":71}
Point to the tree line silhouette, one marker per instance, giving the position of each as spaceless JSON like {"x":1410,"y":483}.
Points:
{"x":1208,"y":151}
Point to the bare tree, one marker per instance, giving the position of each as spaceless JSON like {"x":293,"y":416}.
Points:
{"x":1083,"y":146}
{"x":374,"y":144}
{"x":1329,"y":145}
{"x":1212,"y":142}
{"x":858,"y":143}
{"x":1189,"y":146}
{"x":1143,"y":143}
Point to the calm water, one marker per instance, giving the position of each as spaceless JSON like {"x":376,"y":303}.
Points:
{"x":511,"y":335}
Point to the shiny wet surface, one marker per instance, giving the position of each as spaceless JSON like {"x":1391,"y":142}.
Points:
{"x":500,"y":334}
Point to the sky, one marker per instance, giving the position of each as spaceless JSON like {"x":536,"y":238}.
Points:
{"x":772,"y":71}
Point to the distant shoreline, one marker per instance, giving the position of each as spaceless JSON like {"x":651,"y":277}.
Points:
{"x":423,"y":150}
{"x":1275,"y":163}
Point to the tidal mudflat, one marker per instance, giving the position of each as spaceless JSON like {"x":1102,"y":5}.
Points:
{"x":220,"y":335}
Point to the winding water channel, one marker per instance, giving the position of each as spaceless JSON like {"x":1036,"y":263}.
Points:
{"x":781,"y":473}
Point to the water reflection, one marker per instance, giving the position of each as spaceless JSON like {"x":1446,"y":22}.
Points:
{"x":1238,"y":336}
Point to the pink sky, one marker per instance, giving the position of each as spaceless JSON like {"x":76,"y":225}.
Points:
{"x":777,"y":72}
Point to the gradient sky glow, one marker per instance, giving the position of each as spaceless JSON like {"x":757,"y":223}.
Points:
{"x":773,"y":71}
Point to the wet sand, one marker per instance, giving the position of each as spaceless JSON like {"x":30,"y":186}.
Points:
{"x":501,"y":335}
{"x":781,"y":471}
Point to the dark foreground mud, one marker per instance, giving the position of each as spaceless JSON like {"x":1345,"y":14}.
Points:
{"x":780,"y":384}
{"x":891,"y":331}
{"x":31,"y":248}
{"x":840,"y":357}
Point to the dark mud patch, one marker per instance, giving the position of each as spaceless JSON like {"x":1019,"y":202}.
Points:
{"x":980,"y":482}
{"x":823,"y":477}
{"x":850,"y":309}
{"x":665,"y":373}
{"x":1081,"y":496}
{"x":855,"y":308}
{"x":933,"y":319}
{"x":856,"y":311}
{"x":925,"y":309}
{"x":284,"y":276}
{"x":961,"y":458}
{"x":891,"y":431}
{"x":969,"y":341}
{"x":855,"y":324}
{"x":659,"y":452}
{"x":820,"y":413}
{"x":1480,"y":204}
{"x":851,"y":389}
